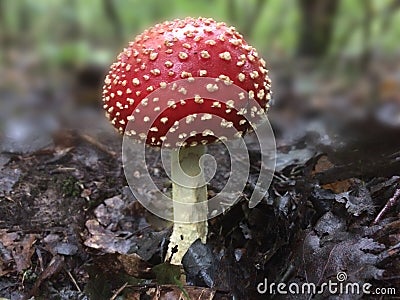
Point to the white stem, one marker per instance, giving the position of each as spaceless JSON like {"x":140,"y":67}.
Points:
{"x":186,"y":232}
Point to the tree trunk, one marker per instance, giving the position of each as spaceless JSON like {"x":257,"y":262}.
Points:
{"x":316,"y":26}
{"x":245,"y":16}
{"x":113,"y":17}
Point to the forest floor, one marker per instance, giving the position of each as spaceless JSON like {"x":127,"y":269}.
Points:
{"x":71,"y":229}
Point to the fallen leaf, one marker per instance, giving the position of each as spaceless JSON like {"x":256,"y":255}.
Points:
{"x":331,"y":249}
{"x":20,"y":247}
{"x":339,"y":186}
{"x":293,"y":157}
{"x":357,"y":201}
{"x":106,"y":240}
{"x":199,"y":264}
{"x":322,"y":164}
{"x":135,"y":266}
{"x":8,"y":178}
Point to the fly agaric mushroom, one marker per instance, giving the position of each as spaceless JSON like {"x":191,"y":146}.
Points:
{"x":166,"y":54}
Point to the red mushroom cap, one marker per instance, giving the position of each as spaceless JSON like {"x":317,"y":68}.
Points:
{"x":188,"y":51}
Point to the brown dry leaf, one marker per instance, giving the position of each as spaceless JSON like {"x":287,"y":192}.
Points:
{"x":6,"y":256}
{"x":172,"y":292}
{"x":340,"y":186}
{"x":20,"y":248}
{"x":322,"y":165}
{"x":135,"y":266}
{"x":105,"y":240}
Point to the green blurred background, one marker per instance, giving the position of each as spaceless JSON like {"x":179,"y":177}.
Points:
{"x":78,"y":32}
{"x":328,"y":54}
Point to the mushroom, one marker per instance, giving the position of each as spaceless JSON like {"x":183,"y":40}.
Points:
{"x":180,"y":55}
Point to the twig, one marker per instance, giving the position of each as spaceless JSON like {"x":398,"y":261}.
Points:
{"x":97,"y":144}
{"x":119,"y":291}
{"x":392,"y":201}
{"x":9,"y":199}
{"x":288,"y":273}
{"x":53,"y":268}
{"x":40,"y":258}
{"x":74,"y":281}
{"x":62,"y":170}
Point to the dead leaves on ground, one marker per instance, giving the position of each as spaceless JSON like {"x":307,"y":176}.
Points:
{"x":120,"y":227}
{"x":331,"y":247}
{"x":173,"y":292}
{"x":15,"y":251}
{"x":339,"y":186}
{"x":126,"y":268}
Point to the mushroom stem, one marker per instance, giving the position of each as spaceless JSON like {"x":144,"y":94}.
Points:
{"x":188,"y":186}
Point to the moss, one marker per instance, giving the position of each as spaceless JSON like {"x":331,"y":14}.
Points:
{"x":29,"y":276}
{"x":70,"y":187}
